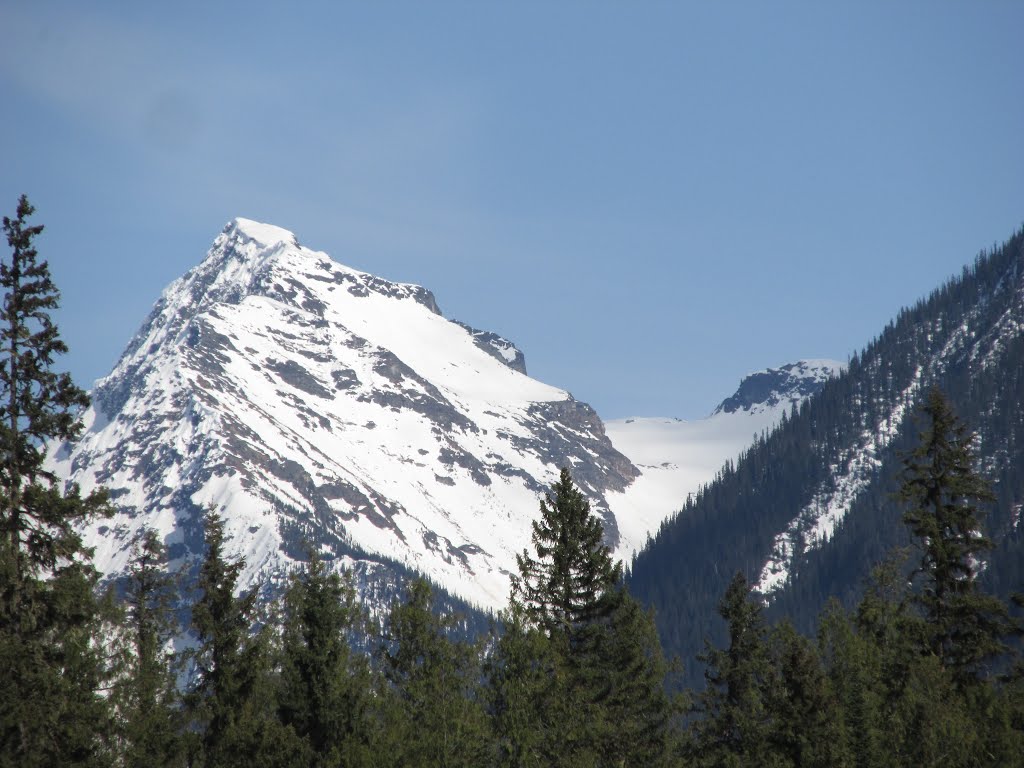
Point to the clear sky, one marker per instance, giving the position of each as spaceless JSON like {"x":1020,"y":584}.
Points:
{"x":650,"y":199}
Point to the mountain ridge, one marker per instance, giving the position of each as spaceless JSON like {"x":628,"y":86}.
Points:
{"x":809,"y":509}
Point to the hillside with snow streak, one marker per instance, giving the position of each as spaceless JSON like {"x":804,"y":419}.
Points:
{"x":812,"y":507}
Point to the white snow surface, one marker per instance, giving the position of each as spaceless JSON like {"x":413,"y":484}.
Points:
{"x":305,"y":400}
{"x":677,"y":458}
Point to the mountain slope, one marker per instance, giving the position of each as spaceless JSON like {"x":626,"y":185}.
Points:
{"x":310,"y":402}
{"x":808,"y":510}
{"x":677,"y":458}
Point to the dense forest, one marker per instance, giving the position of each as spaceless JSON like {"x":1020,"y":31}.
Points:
{"x":919,"y":672}
{"x":964,"y":339}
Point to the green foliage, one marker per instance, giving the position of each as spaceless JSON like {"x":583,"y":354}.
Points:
{"x":898,"y":705}
{"x":561,"y":588}
{"x":146,"y":695}
{"x":806,"y":728}
{"x":37,"y":405}
{"x":635,"y":715}
{"x":51,"y":710}
{"x":326,"y":693}
{"x":580,"y":676}
{"x":436,"y":713}
{"x":230,"y":705}
{"x":943,"y":491}
{"x":734,"y":726}
{"x":524,"y":673}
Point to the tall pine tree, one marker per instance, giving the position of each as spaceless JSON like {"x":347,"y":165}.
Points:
{"x":147,"y":695}
{"x":562,"y":586}
{"x":735,"y":727}
{"x":436,"y":715}
{"x":604,"y":700}
{"x":944,"y":491}
{"x":230,"y":704}
{"x":325,"y":693}
{"x":51,"y":712}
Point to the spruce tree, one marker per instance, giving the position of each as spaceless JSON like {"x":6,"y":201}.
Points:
{"x":806,"y":724}
{"x":561,"y":587}
{"x":604,"y":702}
{"x":735,"y":728}
{"x":631,"y":678}
{"x":51,"y":712}
{"x":147,"y":696}
{"x":944,"y":492}
{"x":436,"y":715}
{"x":326,"y":693}
{"x":37,"y":406}
{"x":230,"y":703}
{"x":523,"y":675}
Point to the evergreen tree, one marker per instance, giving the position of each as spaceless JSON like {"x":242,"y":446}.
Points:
{"x":230,"y":703}
{"x":943,"y":491}
{"x":806,"y":723}
{"x":561,"y":589}
{"x":735,"y":726}
{"x":37,"y":405}
{"x":630,"y":674}
{"x":326,"y":693}
{"x":524,"y":673}
{"x":51,"y":712}
{"x":147,"y":696}
{"x":604,"y":702}
{"x":437,"y":715}
{"x":860,"y":690}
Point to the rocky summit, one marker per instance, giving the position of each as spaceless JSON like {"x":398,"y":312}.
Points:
{"x":316,"y":405}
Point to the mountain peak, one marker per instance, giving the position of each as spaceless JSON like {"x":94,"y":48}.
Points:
{"x":785,"y":385}
{"x":264,"y":234}
{"x":312,"y":402}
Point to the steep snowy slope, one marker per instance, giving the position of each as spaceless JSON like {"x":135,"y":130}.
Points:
{"x":310,"y":402}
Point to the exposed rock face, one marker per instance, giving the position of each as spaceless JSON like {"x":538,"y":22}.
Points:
{"x":787,"y":385}
{"x":310,"y":402}
{"x":498,"y":347}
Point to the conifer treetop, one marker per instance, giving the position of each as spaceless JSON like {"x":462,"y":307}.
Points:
{"x":561,"y":587}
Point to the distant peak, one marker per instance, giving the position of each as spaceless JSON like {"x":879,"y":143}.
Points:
{"x":264,"y":234}
{"x":788,"y":384}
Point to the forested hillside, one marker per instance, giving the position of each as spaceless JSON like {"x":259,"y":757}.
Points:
{"x":808,"y":510}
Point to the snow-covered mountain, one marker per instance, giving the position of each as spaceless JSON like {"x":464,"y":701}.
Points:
{"x":677,"y":457}
{"x":312,"y":403}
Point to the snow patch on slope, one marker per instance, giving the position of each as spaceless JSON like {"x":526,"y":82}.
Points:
{"x":816,"y":523}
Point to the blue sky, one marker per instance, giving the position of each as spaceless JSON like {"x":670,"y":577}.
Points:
{"x":651,"y":199}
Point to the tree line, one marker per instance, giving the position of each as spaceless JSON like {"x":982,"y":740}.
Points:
{"x":573,"y":674}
